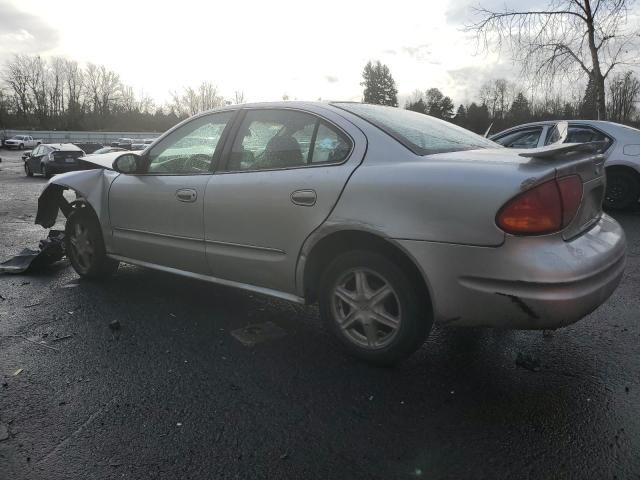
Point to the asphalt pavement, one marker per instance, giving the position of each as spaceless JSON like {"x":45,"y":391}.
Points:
{"x":149,"y":375}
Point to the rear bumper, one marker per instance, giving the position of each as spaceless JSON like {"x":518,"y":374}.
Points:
{"x":527,"y":283}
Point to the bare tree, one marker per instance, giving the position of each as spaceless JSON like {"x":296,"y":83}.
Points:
{"x":92,"y":87}
{"x":497,"y":95}
{"x":624,"y":93}
{"x":110,"y":89}
{"x":15,"y":76}
{"x":238,"y":97}
{"x":563,"y":38}
{"x":55,"y":84}
{"x":208,"y":96}
{"x":36,"y":81}
{"x":128,"y":101}
{"x":195,"y":100}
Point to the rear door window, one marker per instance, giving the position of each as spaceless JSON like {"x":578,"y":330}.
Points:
{"x":526,"y":138}
{"x":583,"y":134}
{"x":276,"y":139}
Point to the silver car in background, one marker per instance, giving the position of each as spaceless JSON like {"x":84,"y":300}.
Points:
{"x":620,"y":147}
{"x":391,"y":220}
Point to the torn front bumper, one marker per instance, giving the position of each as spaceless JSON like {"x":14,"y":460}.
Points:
{"x":539,"y":282}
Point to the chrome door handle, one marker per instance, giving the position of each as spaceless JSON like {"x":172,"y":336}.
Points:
{"x":306,"y":198}
{"x":186,"y":195}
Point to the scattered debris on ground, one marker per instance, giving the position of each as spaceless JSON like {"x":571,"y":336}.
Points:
{"x":59,"y":339}
{"x":528,"y":362}
{"x":115,"y":325}
{"x":27,"y":339}
{"x":258,"y":333}
{"x":18,"y":372}
{"x":50,"y":250}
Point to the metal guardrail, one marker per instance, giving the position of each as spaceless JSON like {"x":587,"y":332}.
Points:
{"x":67,"y":136}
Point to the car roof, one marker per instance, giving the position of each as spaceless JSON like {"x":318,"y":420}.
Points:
{"x":66,"y":147}
{"x":602,"y":124}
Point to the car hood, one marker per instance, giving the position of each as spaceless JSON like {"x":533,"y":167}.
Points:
{"x":104,"y":160}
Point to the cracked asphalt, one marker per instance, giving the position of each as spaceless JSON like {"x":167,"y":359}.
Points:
{"x":172,"y":394}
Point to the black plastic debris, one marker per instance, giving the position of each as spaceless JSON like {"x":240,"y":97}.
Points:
{"x":50,"y":250}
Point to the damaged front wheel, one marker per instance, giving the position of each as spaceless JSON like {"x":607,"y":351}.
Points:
{"x":85,"y":245}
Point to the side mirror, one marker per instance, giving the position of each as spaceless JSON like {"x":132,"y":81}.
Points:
{"x":127,"y":163}
{"x":559,"y":133}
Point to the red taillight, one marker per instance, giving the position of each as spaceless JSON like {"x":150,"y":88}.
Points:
{"x":571,"y":193}
{"x":546,"y":208}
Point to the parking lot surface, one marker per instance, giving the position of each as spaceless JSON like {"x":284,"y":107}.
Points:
{"x":150,"y":375}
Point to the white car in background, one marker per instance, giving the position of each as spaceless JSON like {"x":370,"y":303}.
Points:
{"x":21,"y":142}
{"x":621,"y":148}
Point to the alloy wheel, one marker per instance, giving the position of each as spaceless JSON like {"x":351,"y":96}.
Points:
{"x":367,"y":308}
{"x":82,"y":248}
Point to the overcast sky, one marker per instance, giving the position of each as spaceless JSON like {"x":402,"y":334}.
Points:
{"x":308,"y":50}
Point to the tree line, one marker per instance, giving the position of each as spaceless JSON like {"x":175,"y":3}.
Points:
{"x":562,"y":43}
{"x":60,"y":93}
{"x":502,"y":104}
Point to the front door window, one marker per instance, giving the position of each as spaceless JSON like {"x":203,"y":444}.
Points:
{"x":190,"y":149}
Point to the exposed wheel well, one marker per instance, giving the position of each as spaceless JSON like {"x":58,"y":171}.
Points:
{"x":333,"y":245}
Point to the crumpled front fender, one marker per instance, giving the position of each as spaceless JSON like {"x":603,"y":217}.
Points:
{"x":90,"y":185}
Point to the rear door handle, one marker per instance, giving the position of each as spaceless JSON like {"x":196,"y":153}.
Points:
{"x":188,"y":195}
{"x":306,"y":198}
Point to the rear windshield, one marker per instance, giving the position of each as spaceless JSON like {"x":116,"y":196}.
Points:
{"x":422,"y":134}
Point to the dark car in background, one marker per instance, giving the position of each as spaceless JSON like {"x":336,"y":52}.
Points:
{"x":141,"y":144}
{"x":50,"y":159}
{"x":122,"y":143}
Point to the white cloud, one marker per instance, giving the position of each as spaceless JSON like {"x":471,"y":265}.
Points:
{"x":265,"y":49}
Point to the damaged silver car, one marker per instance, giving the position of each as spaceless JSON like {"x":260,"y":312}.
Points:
{"x":391,"y":220}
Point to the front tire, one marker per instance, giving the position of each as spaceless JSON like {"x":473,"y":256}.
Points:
{"x":623,"y":190}
{"x":21,"y":147}
{"x":373,"y":308}
{"x":45,"y":171}
{"x":27,"y":169}
{"x":85,"y":245}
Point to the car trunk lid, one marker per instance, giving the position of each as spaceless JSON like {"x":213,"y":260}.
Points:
{"x":486,"y":179}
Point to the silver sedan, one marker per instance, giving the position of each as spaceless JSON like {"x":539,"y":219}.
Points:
{"x":620,"y":145}
{"x":391,"y":220}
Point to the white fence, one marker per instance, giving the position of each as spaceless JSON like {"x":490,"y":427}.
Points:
{"x":62,"y":136}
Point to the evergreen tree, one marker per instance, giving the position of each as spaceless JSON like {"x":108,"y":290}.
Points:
{"x":478,"y":118}
{"x":520,"y":111}
{"x":438,"y":105}
{"x":416,"y":106}
{"x":446,"y":108}
{"x":460,"y":117}
{"x":379,"y":85}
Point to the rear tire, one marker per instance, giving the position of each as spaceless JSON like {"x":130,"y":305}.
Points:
{"x":27,"y":169}
{"x":45,"y":171}
{"x":623,"y":190}
{"x":373,"y":308}
{"x":85,"y":245}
